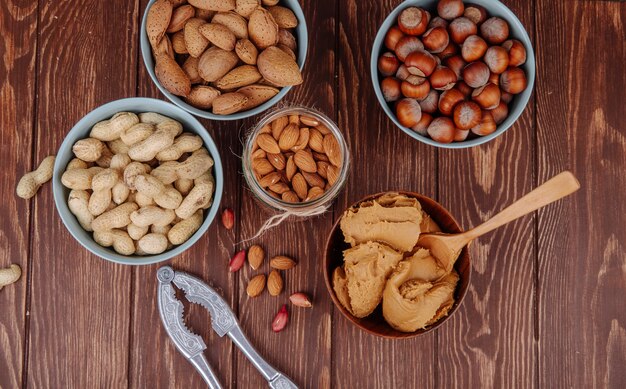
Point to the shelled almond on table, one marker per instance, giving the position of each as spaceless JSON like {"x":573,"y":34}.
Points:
{"x":228,"y":56}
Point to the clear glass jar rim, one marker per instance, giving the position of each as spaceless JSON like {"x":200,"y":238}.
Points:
{"x":279,"y":204}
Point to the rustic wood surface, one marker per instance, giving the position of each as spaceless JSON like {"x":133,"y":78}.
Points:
{"x":546,"y":306}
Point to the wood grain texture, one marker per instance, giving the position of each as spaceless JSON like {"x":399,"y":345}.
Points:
{"x":581,"y":252}
{"x":151,"y":348}
{"x":303,"y":349}
{"x":384,"y":158}
{"x":79,"y":315}
{"x":490,"y":342}
{"x":17,"y":105}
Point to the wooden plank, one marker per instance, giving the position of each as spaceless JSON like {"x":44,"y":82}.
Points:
{"x":151,"y":348}
{"x":79,"y":316}
{"x":18,"y":23}
{"x":303,"y":349}
{"x":581,"y":253}
{"x":398,"y":163}
{"x":490,"y":340}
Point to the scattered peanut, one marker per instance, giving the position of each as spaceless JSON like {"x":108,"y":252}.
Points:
{"x":9,"y":275}
{"x":29,"y":184}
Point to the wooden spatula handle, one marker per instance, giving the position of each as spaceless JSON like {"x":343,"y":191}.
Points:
{"x":552,"y":190}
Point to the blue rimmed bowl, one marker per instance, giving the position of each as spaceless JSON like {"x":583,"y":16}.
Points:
{"x":300,"y":33}
{"x":81,"y":130}
{"x":517,"y":105}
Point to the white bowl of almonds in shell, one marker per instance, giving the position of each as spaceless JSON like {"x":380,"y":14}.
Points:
{"x":137,"y":181}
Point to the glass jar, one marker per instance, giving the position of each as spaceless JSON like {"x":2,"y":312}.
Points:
{"x":304,"y":209}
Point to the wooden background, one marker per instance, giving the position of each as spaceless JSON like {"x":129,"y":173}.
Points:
{"x":547,"y":304}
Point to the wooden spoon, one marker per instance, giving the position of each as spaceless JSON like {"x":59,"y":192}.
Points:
{"x":447,"y":248}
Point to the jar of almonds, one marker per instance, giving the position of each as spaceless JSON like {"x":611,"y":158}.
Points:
{"x":296,"y":161}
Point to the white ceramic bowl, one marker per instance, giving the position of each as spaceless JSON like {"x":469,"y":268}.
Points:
{"x":300,"y":34}
{"x":516,"y":107}
{"x":81,"y":130}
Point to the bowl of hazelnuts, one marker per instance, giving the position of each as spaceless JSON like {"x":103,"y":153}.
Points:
{"x":453,"y":74}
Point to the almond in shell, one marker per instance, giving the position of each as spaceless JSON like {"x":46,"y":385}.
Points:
{"x":157,"y":21}
{"x":268,"y":143}
{"x":180,"y":16}
{"x":190,"y":66}
{"x":214,"y":5}
{"x":262,"y":28}
{"x":246,"y":51}
{"x":202,"y":96}
{"x":286,"y":38}
{"x":257,"y":94}
{"x":281,"y":262}
{"x":278,"y":67}
{"x":219,"y":35}
{"x":256,"y":255}
{"x":229,"y":103}
{"x":178,"y":43}
{"x":171,"y":75}
{"x":239,"y":77}
{"x":196,"y":43}
{"x":274,"y":283}
{"x":215,"y":63}
{"x":235,"y":23}
{"x":289,"y":137}
{"x":256,"y":285}
{"x":284,"y":17}
{"x":246,"y":7}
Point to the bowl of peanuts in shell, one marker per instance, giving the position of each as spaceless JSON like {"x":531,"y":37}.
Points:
{"x":137,"y":181}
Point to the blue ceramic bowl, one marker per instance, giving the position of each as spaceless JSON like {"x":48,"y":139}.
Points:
{"x":81,"y":130}
{"x":302,"y":38}
{"x":516,"y":107}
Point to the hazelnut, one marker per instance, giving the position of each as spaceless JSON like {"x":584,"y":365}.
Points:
{"x":436,"y":39}
{"x":413,"y":21}
{"x":449,"y":51}
{"x":441,"y":130}
{"x":415,"y":87}
{"x":456,"y":63}
{"x":506,"y":97}
{"x":494,"y":79}
{"x":422,"y":126}
{"x":450,"y":9}
{"x":517,"y":52}
{"x":475,"y":13}
{"x":500,"y":112}
{"x":467,"y":114}
{"x":402,"y":72}
{"x":393,"y":36}
{"x":388,"y":64}
{"x":497,"y":59}
{"x":465,"y":89}
{"x":430,"y":102}
{"x":448,"y":100}
{"x":495,"y":30}
{"x":420,"y":63}
{"x":476,"y":74}
{"x":460,"y":135}
{"x":443,"y":78}
{"x":408,"y":112}
{"x":486,"y":126}
{"x":473,"y":48}
{"x":390,"y":87}
{"x":488,"y":96}
{"x":438,"y":21}
{"x":513,"y":81}
{"x":408,"y":45}
{"x":461,"y":28}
